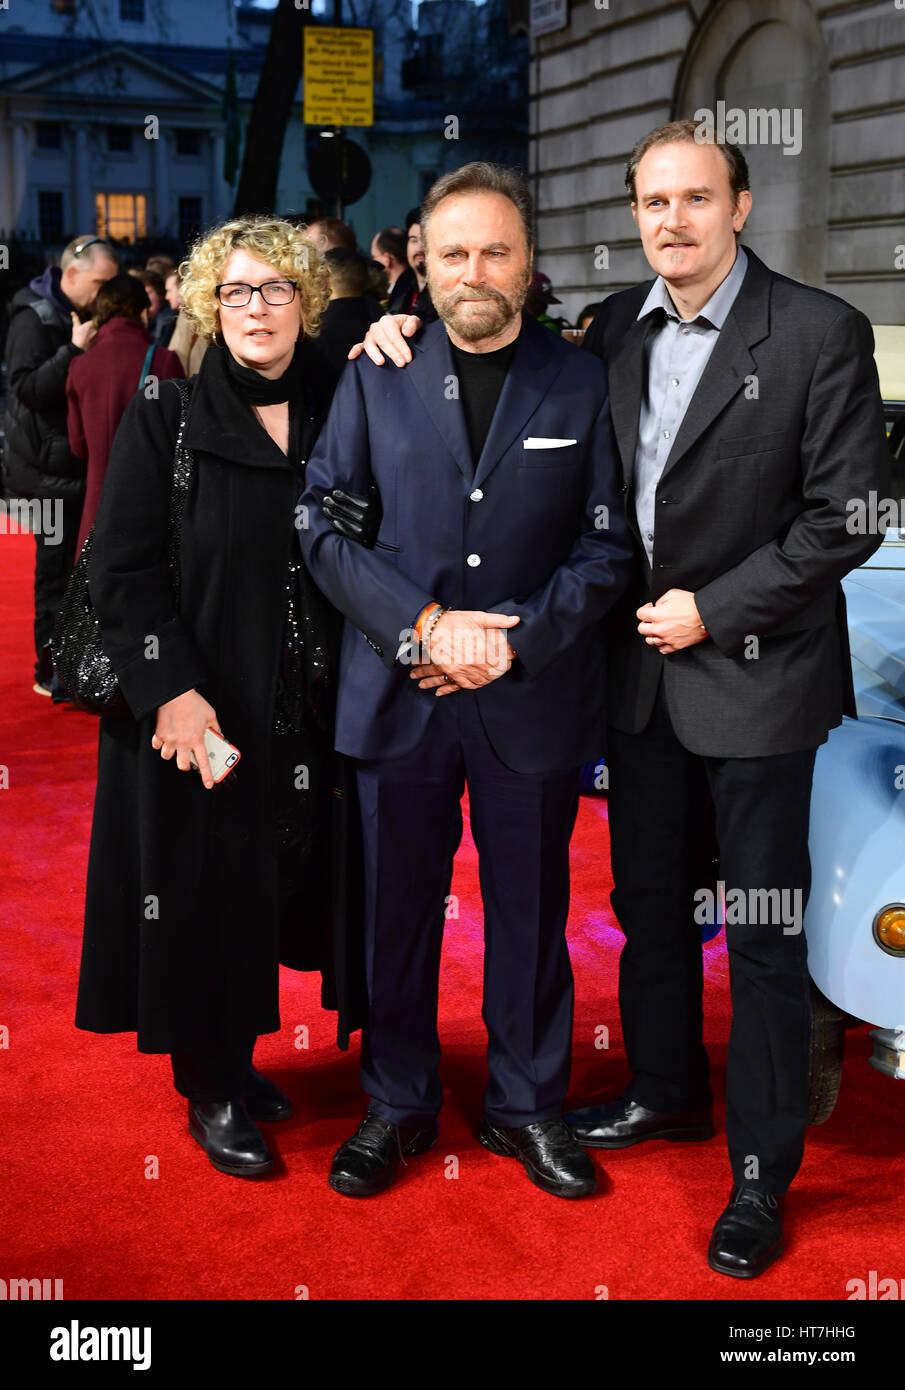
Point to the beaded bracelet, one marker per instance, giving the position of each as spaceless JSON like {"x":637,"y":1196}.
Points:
{"x":429,"y":626}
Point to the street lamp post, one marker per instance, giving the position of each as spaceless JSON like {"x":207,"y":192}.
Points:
{"x":339,"y":132}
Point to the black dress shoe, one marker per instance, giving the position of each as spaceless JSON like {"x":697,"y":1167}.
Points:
{"x":550,"y":1155}
{"x":230,"y":1138}
{"x":264,"y":1100}
{"x":623,"y":1122}
{"x":748,"y":1236}
{"x":367,"y":1162}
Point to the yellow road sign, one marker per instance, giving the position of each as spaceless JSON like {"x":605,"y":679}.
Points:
{"x":339,"y":76}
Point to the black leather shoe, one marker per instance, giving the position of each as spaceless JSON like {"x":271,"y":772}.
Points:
{"x":264,"y":1100}
{"x":748,"y":1236}
{"x":230,"y":1138}
{"x":367,"y":1162}
{"x":623,"y":1122}
{"x":549,"y":1153}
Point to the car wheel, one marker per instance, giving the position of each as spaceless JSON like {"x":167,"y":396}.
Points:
{"x":828,"y":1024}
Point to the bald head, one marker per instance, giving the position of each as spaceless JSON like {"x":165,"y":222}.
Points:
{"x":87,"y":263}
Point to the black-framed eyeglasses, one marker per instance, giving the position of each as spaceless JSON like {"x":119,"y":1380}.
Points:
{"x":92,"y":241}
{"x":234,"y":294}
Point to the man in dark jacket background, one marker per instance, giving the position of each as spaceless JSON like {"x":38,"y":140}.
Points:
{"x":50,"y":323}
{"x":389,"y":248}
{"x":351,"y":310}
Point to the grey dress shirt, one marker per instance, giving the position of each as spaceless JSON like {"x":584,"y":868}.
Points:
{"x":677,"y":354}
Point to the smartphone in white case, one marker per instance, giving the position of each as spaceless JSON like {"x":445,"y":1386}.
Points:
{"x":221,"y":755}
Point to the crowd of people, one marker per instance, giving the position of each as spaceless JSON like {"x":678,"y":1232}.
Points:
{"x":342,"y":592}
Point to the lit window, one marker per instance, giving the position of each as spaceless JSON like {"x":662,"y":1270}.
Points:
{"x":121,"y":216}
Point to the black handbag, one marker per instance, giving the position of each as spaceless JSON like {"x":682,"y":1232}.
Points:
{"x":82,"y":665}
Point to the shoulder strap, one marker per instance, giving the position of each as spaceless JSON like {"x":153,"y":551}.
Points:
{"x":146,"y":365}
{"x":48,"y":313}
{"x":183,"y":464}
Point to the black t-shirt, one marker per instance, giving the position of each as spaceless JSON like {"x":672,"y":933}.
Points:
{"x":481,"y":376}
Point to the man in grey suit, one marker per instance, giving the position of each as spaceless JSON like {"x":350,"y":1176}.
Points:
{"x":748,"y":417}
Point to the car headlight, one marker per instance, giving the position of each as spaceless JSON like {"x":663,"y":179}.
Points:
{"x":889,"y":929}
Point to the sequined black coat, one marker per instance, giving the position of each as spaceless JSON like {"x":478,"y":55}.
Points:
{"x":186,"y":914}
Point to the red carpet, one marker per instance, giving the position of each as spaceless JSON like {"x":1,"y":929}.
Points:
{"x":86,"y":1118}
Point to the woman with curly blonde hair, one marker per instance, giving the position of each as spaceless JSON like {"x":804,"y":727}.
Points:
{"x":198,"y":889}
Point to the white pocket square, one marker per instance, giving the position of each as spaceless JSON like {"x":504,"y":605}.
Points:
{"x":538,"y":443}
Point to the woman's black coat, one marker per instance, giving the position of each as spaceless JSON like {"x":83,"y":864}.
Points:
{"x":182,"y":926}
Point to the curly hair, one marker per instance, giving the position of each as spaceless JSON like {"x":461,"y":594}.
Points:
{"x":269,"y":239}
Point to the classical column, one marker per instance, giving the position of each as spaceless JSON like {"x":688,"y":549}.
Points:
{"x":83,"y":211}
{"x":6,"y":189}
{"x":19,"y":212}
{"x":159,"y":217}
{"x":218,"y":199}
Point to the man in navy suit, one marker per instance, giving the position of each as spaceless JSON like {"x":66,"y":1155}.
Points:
{"x":472,"y":653}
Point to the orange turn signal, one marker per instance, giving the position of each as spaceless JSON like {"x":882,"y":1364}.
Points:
{"x":889,"y":928}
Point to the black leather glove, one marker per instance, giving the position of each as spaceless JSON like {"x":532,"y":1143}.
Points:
{"x":357,"y":518}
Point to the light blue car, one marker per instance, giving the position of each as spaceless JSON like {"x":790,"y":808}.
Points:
{"x":855,"y":919}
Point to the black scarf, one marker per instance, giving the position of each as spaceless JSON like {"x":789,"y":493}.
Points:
{"x":310,"y":646}
{"x":265,"y":390}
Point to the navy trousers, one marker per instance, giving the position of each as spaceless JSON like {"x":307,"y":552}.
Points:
{"x":412,"y":826}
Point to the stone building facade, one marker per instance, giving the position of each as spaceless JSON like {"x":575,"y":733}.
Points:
{"x":831,"y":212}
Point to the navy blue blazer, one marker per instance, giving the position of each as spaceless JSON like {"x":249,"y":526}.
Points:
{"x":534,"y":531}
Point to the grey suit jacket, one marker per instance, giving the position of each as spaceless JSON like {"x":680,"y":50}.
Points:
{"x":784,"y":430}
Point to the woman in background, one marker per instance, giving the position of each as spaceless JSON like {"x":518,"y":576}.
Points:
{"x":101,"y":381}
